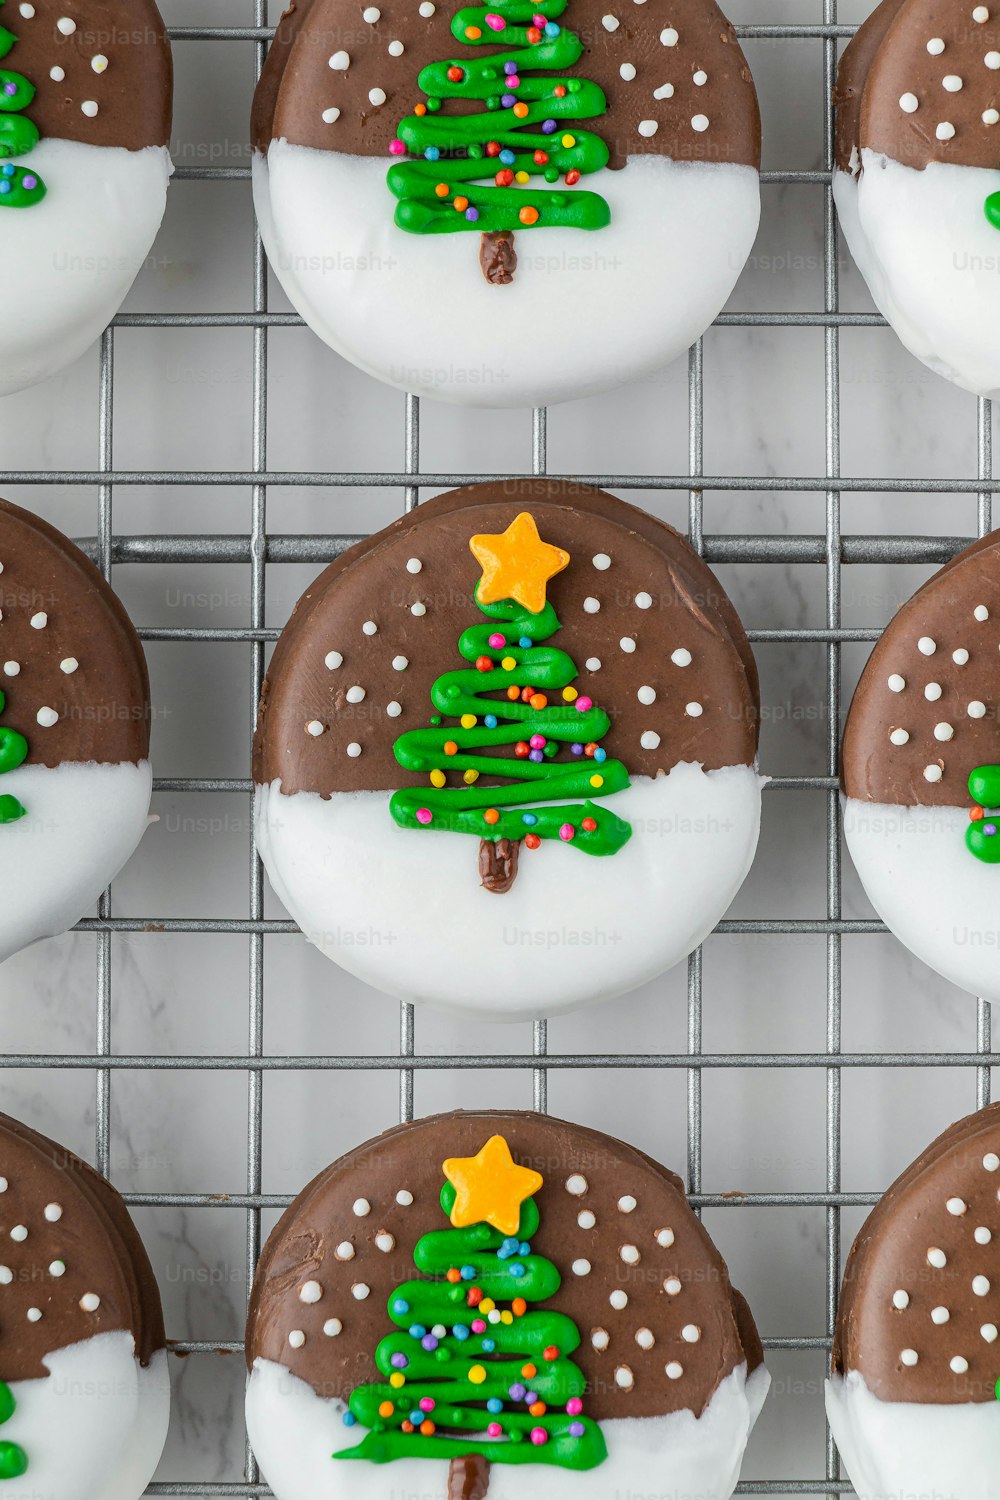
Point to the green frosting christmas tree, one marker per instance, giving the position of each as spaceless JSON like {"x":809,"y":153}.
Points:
{"x":19,"y":188}
{"x":517,"y":694}
{"x":13,"y":753}
{"x":524,"y":131}
{"x":477,"y":1374}
{"x":13,"y":1459}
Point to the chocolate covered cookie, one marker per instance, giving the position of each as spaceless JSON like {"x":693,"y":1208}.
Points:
{"x":75,"y":778}
{"x":85,"y":112}
{"x":920,"y":774}
{"x":917,"y":181}
{"x":497,"y":1304}
{"x":507,"y":206}
{"x":512,"y":734}
{"x":84,"y":1390}
{"x":916,"y":1358}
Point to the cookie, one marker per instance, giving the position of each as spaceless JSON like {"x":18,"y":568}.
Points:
{"x":569,"y":1330}
{"x":916,"y":1357}
{"x":84,"y":166}
{"x":75,"y":778}
{"x":918,"y":143}
{"x":428,"y":178}
{"x":919,"y":774}
{"x":514,"y":733}
{"x":84,"y":1389}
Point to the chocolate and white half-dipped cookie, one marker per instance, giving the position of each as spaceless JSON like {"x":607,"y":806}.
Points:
{"x":921,"y":771}
{"x":498,"y":1304}
{"x":84,"y":1389}
{"x":525,"y":708}
{"x":917,"y":180}
{"x":916,"y":1358}
{"x":75,"y":778}
{"x":507,"y":205}
{"x":85,"y":114}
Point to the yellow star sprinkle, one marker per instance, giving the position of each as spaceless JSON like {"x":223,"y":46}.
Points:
{"x":490,"y":1187}
{"x":517,"y":564}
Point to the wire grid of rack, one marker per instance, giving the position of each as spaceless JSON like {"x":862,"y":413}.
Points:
{"x":256,"y":549}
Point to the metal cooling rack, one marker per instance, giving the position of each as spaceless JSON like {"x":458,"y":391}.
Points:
{"x":257,"y":549}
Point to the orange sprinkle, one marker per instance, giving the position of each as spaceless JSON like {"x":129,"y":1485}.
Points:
{"x":539,"y":1409}
{"x":537,"y":700}
{"x":519,"y":1307}
{"x":408,"y":1426}
{"x":450,"y":748}
{"x":560,"y":91}
{"x":529,"y":1371}
{"x":454,"y":1274}
{"x":976,"y":814}
{"x":473,"y":33}
{"x":532,"y":841}
{"x":427,"y":1428}
{"x":386,"y":1409}
{"x":513,"y":692}
{"x":442,"y":190}
{"x":528,"y":216}
{"x":461,"y":204}
{"x":491,"y":815}
{"x":520,"y":110}
{"x":419,"y":109}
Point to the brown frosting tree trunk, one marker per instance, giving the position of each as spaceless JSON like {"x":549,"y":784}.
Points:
{"x":498,"y":865}
{"x":498,"y":257}
{"x":468,"y":1477}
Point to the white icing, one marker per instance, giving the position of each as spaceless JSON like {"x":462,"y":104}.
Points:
{"x":939,"y":290}
{"x":95,"y":1428}
{"x":82,"y":824}
{"x":74,"y":254}
{"x":938,"y":899}
{"x":341,"y":866}
{"x":293,"y":1432}
{"x":416,"y":311}
{"x":902,"y":1448}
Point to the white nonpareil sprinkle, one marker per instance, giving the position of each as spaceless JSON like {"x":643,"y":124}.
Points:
{"x":943,"y":732}
{"x":649,"y":739}
{"x":340,"y":61}
{"x":933,"y":773}
{"x":646,"y":695}
{"x":377,"y":97}
{"x":665,"y":91}
{"x":989,"y":1332}
{"x":403,"y":1198}
{"x":981,"y":613}
{"x":576,"y":1184}
{"x":618,"y":1300}
{"x":315,"y":728}
{"x":946,"y":130}
{"x":332,"y":1327}
{"x":385,"y":1241}
{"x":900,"y":1300}
{"x":400,"y":663}
{"x":672,"y":1286}
{"x":908,"y":103}
{"x":370,"y":628}
{"x":673,"y":1371}
{"x":648,"y":127}
{"x":669,"y":37}
{"x":899,"y":736}
{"x":334,"y":660}
{"x":427,"y":9}
{"x":34,"y":1314}
{"x":982,"y":1235}
{"x":690,"y":1333}
{"x":644,"y":1338}
{"x":586,"y":1219}
{"x":69,"y":665}
{"x":331,"y":116}
{"x":354,"y":749}
{"x":355,"y":694}
{"x":960,"y":657}
{"x":627,"y":644}
{"x":991,"y":116}
{"x":344,"y":1251}
{"x":610,"y":23}
{"x":310,"y":1291}
{"x":371,"y":14}
{"x":976,"y":710}
{"x":627,"y":71}
{"x":11,"y":668}
{"x":699,"y":123}
{"x":599,"y":1338}
{"x":394,"y":709}
{"x":581,"y":1267}
{"x":643,"y":601}
{"x":991,"y":1162}
{"x":693,"y":710}
{"x":19,"y":1233}
{"x":956,"y":1206}
{"x":591,"y":605}
{"x":681,"y":657}
{"x":47,"y":717}
{"x":896,"y":683}
{"x":630,"y":1255}
{"x":362,"y":1208}
{"x":396,"y":49}
{"x":909,"y":1356}
{"x":359,"y":1291}
{"x":980,"y":14}
{"x":99,"y":63}
{"x":90,"y":1301}
{"x":414,"y":565}
{"x":6,"y":1275}
{"x":952,"y":83}
{"x":601,"y":561}
{"x":39,"y":621}
{"x":53,"y":1212}
{"x":418,"y":609}
{"x":980,"y":1285}
{"x":624,"y":1378}
{"x":926,"y":646}
{"x":89,"y":108}
{"x":296,"y":1338}
{"x":940,"y":1315}
{"x":935,"y":46}
{"x":992,"y":60}
{"x":627,"y":1204}
{"x":57,"y":74}
{"x":57,"y":1268}
{"x":932,"y":692}
{"x":27,"y":10}
{"x":959,"y":1364}
{"x":665,"y":1238}
{"x":66,"y":25}
{"x":593,"y":664}
{"x":937,"y":1258}
{"x":700,"y":78}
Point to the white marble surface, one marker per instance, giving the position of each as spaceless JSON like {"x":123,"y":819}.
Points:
{"x":183,"y":401}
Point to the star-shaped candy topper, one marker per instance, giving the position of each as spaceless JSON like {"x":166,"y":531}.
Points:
{"x":517,"y":564}
{"x":490,"y":1187}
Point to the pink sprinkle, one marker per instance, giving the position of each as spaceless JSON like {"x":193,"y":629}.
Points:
{"x":427,"y":1403}
{"x":494,"y":1430}
{"x":512,"y":81}
{"x":574,"y":1406}
{"x":424,"y":815}
{"x":495,"y":22}
{"x":583,"y":703}
{"x":396,"y":148}
{"x":567,"y":832}
{"x":478,"y":1326}
{"x":538,"y":21}
{"x":539,"y":1436}
{"x":498,"y":641}
{"x":537,"y":742}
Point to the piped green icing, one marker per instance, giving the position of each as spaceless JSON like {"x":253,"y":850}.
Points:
{"x":467,"y":1369}
{"x":13,"y":753}
{"x":459,"y":150}
{"x":982,"y":837}
{"x":462,"y":809}
{"x":13,"y":1459}
{"x":19,"y":186}
{"x":992,"y":209}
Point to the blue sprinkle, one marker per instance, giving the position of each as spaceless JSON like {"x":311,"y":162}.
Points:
{"x":494,"y":1404}
{"x":432,"y":153}
{"x":468,"y":1273}
{"x":349,"y":1419}
{"x":461,"y":1332}
{"x":525,"y":642}
{"x":529,"y":819}
{"x":416,"y":1417}
{"x":551,"y":29}
{"x":517,"y":1271}
{"x":490,"y":721}
{"x":417,"y":1330}
{"x":510,"y":1244}
{"x":400,"y":1307}
{"x":488,"y":1345}
{"x":4,"y":187}
{"x":600,"y":756}
{"x":524,"y":1247}
{"x":8,"y":169}
{"x":507,"y":157}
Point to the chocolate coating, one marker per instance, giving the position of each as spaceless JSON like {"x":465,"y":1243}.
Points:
{"x":942,"y":733}
{"x":852,"y":75}
{"x":304,"y":1243}
{"x":937,"y":1205}
{"x":706,"y":44}
{"x":103,"y":704}
{"x":133,"y":92}
{"x":687,"y":609}
{"x":89,"y":1230}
